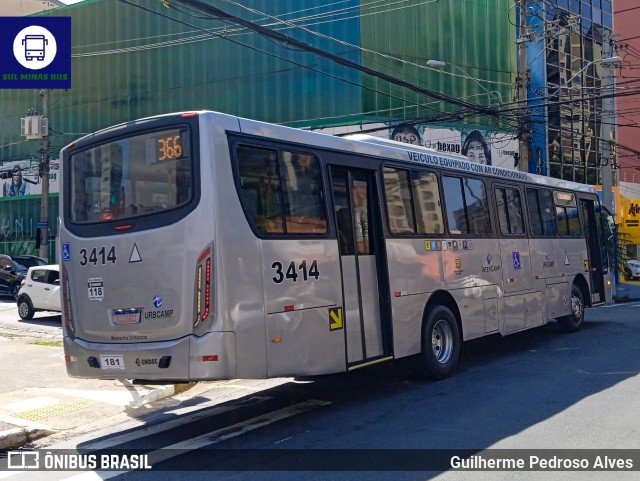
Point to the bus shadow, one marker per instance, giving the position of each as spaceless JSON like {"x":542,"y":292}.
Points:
{"x":503,"y":387}
{"x":43,"y":320}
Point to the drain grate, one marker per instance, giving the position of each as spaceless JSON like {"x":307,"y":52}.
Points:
{"x":48,"y":412}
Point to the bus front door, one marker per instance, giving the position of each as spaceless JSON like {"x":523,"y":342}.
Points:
{"x":358,"y":228}
{"x":594,"y":251}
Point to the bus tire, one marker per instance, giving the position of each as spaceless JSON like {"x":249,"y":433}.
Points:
{"x":574,"y":321}
{"x":440,"y":343}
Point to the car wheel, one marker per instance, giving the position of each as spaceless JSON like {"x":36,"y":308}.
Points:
{"x":14,"y":290}
{"x":25,"y":309}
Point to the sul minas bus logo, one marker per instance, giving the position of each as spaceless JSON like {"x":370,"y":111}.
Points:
{"x":35,"y":52}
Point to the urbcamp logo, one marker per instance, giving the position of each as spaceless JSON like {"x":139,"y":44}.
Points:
{"x":35,"y":52}
{"x":157,"y":302}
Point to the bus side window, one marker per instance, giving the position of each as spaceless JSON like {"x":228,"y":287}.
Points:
{"x":454,"y":202}
{"x":541,"y":212}
{"x":260,"y":184}
{"x":427,"y":203}
{"x":477,"y":207}
{"x":398,"y":196}
{"x":509,"y":211}
{"x":467,"y":206}
{"x":302,"y":181}
{"x":567,"y":213}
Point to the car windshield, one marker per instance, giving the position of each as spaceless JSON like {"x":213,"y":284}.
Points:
{"x":634,"y":263}
{"x":28,"y":261}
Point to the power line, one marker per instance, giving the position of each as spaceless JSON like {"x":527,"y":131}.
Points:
{"x":288,"y":40}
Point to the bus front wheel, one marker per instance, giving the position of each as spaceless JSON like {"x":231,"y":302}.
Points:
{"x":574,"y":321}
{"x":440,"y":342}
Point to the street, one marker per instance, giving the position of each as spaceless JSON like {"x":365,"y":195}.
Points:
{"x":534,"y":390}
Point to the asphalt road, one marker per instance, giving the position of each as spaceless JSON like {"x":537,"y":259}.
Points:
{"x":533,"y":390}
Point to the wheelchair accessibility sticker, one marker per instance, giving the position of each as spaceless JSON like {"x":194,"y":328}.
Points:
{"x":516,"y":260}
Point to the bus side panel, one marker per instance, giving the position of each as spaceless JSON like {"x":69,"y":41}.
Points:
{"x":558,"y":298}
{"x":571,"y":254}
{"x":239,"y":292}
{"x":414,"y":272}
{"x":472,"y":270}
{"x":301,"y":343}
{"x":571,"y":260}
{"x":516,"y":265}
{"x":302,"y":288}
{"x":544,"y":263}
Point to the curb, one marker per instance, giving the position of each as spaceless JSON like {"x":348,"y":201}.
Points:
{"x":18,"y":437}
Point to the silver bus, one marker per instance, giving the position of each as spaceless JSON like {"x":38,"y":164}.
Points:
{"x":202,"y":246}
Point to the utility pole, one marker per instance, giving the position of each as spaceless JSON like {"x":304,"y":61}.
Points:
{"x":521,"y":87}
{"x":608,"y":159}
{"x":608,"y":163}
{"x":43,"y":225}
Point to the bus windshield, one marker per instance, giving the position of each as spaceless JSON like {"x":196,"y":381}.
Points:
{"x":132,"y":176}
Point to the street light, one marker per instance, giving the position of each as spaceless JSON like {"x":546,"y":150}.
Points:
{"x":438,"y":64}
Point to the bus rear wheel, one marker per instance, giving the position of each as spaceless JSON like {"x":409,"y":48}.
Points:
{"x":574,"y":321}
{"x":440,"y":343}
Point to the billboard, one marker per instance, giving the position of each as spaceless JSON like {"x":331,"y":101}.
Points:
{"x":488,"y":147}
{"x":21,"y":178}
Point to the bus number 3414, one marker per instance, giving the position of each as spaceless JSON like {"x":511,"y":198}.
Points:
{"x":292,"y":271}
{"x":98,"y":256}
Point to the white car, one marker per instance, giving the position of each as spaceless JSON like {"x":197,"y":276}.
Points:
{"x":632,"y":269}
{"x":40,"y":291}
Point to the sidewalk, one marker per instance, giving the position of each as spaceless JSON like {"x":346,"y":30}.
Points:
{"x":628,"y":290}
{"x":59,"y":403}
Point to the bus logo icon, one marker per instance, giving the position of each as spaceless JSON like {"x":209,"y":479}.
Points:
{"x":35,"y":47}
{"x":157,"y":302}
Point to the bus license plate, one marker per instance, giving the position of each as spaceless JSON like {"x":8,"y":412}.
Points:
{"x":111,"y":361}
{"x":126,"y":316}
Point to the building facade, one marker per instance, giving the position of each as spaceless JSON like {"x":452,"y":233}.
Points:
{"x":361,"y":67}
{"x":572,"y":125}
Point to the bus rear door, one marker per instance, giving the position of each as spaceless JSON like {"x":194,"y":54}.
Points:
{"x":361,"y":257}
